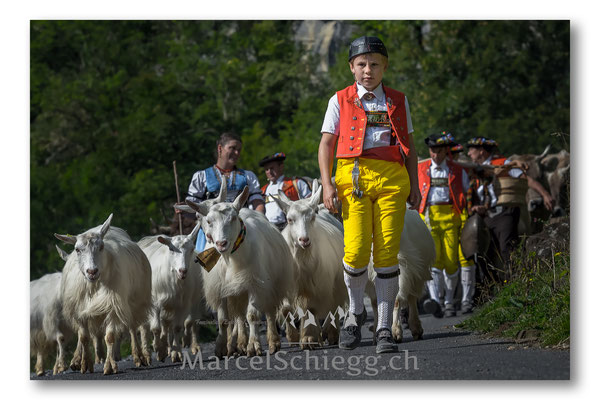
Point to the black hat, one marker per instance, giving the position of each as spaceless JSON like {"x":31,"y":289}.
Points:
{"x":458,"y":148}
{"x":272,"y":157}
{"x":440,"y":140}
{"x":366,"y":44}
{"x":480,"y":141}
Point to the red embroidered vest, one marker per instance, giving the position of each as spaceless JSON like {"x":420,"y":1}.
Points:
{"x":288,"y":188}
{"x":353,"y":123}
{"x":455,"y":184}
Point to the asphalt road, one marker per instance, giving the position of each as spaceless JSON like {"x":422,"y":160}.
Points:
{"x":444,"y":353}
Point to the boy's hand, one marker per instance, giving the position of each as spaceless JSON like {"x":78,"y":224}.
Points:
{"x":330,"y":198}
{"x":414,"y":199}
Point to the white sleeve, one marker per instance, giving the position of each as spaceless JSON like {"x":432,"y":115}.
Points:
{"x":253,"y":186}
{"x":197,"y":188}
{"x":515,"y":172}
{"x":409,"y":125}
{"x":303,"y":189}
{"x":331,"y":122}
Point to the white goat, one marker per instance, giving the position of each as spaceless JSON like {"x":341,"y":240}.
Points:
{"x":317,"y":245}
{"x":174,"y":288}
{"x":252,"y":276}
{"x":106,"y":287}
{"x":415,"y":258}
{"x":48,"y":329}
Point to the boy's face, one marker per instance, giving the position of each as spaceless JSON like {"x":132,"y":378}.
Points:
{"x":438,"y":154}
{"x":368,"y":69}
{"x":274,"y":170}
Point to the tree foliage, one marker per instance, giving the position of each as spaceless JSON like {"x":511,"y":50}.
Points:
{"x":114,"y":103}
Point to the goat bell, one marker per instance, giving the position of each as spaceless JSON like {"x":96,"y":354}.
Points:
{"x":475,"y":237}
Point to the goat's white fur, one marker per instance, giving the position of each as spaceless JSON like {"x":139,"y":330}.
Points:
{"x":253,"y":280}
{"x":176,"y":280}
{"x":48,"y":329}
{"x":317,"y":245}
{"x":106,"y":287}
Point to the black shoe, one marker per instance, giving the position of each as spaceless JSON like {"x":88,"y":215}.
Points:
{"x":404,"y":317}
{"x":433,"y":307}
{"x":466,"y":307}
{"x":449,"y":310}
{"x":350,"y":335}
{"x":385,"y":343}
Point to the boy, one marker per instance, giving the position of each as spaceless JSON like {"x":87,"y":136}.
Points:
{"x":294,"y":188}
{"x":443,"y":187}
{"x":376,"y":175}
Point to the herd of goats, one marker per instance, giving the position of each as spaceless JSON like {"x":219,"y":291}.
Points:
{"x":153,"y":290}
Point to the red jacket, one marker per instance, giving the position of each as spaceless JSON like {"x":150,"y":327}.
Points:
{"x":353,"y":122}
{"x":288,"y":188}
{"x":455,"y":184}
{"x":499,"y":160}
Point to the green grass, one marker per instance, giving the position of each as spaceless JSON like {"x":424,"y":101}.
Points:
{"x":536,"y":299}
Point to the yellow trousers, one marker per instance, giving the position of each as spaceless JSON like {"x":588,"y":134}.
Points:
{"x":377,"y":218}
{"x":462,"y":261}
{"x":444,"y":225}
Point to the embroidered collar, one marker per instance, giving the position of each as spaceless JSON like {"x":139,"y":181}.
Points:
{"x":240,"y":238}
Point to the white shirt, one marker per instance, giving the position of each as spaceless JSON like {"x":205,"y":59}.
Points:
{"x":441,"y":194}
{"x":374,"y":136}
{"x":272,"y":210}
{"x":197,"y":188}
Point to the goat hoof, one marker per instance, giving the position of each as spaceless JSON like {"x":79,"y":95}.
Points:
{"x":75,"y":364}
{"x":176,"y":356}
{"x":195,"y":349}
{"x":110,"y":367}
{"x":59,"y":367}
{"x":147,"y":359}
{"x":397,"y":334}
{"x":274,"y":346}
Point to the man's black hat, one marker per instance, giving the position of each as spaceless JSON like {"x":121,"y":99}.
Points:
{"x":272,"y":157}
{"x":366,"y":44}
{"x":439,"y":140}
{"x":480,"y":141}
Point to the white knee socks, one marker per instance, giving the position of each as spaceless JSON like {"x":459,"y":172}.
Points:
{"x":450,"y":282}
{"x":386,"y":289}
{"x":356,"y":288}
{"x":467,"y":280}
{"x":436,"y":285}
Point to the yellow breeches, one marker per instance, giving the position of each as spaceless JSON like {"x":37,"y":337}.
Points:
{"x":462,"y":261}
{"x":377,"y":218}
{"x":445,"y":227}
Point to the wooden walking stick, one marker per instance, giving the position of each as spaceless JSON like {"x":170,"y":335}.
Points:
{"x":178,"y":198}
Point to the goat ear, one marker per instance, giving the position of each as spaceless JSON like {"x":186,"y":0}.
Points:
{"x":167,"y":242}
{"x":63,"y":254}
{"x":66,"y":238}
{"x":185,"y":208}
{"x":282,"y":201}
{"x":223,"y":191}
{"x":200,"y":208}
{"x":315,"y":198}
{"x":241,"y":199}
{"x":192,"y":235}
{"x":105,"y":226}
